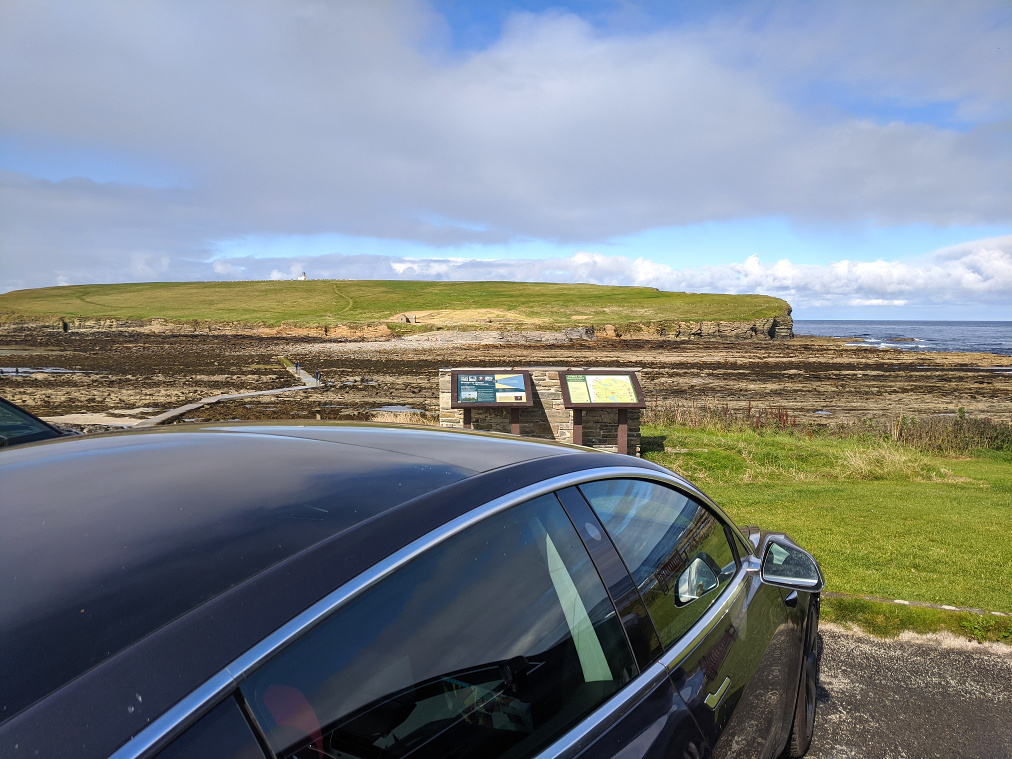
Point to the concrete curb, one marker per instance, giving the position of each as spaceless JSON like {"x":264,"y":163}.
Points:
{"x":920,"y":604}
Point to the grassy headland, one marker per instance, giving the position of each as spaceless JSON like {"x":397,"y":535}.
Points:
{"x":355,"y":302}
{"x":884,"y":518}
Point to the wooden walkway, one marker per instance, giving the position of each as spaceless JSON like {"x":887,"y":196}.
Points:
{"x":308,"y":382}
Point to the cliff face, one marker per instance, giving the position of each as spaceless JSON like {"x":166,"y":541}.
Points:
{"x":166,"y":327}
{"x":775,"y":328}
{"x":779,"y":327}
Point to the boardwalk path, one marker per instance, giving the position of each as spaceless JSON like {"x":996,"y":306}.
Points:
{"x":308,"y":381}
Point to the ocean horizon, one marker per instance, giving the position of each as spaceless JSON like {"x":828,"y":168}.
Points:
{"x":936,"y":336}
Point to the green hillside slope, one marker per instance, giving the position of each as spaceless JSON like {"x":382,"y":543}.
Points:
{"x":331,"y":302}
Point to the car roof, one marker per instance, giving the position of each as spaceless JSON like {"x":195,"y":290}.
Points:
{"x":95,"y":528}
{"x":206,"y":538}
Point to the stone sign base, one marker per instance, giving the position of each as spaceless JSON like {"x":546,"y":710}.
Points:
{"x":548,"y":418}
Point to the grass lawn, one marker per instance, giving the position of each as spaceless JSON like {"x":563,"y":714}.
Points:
{"x":882,"y":519}
{"x":331,"y":302}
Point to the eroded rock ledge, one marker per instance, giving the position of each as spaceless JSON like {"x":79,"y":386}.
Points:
{"x":779,"y":327}
{"x":776,"y":328}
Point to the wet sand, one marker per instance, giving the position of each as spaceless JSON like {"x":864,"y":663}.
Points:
{"x":128,"y":376}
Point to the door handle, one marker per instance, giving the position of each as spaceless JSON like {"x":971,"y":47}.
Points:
{"x":714,"y":698}
{"x":792,"y":599}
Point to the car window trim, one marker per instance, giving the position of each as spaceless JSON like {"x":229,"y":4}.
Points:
{"x":594,"y":725}
{"x":735,"y":548}
{"x":206,"y":696}
{"x":598,"y":721}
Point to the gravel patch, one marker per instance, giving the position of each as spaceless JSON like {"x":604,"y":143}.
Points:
{"x":913,"y":696}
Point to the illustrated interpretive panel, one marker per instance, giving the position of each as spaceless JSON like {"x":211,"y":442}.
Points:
{"x":476,"y":388}
{"x":601,"y":390}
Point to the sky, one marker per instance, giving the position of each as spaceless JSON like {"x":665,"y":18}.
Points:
{"x":853,"y":158}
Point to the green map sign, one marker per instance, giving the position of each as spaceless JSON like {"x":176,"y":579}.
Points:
{"x":611,"y":389}
{"x":491,"y":389}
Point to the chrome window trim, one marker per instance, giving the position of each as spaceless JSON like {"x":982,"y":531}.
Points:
{"x":594,"y":725}
{"x":177,"y":718}
{"x":199,"y":701}
{"x":591,"y":727}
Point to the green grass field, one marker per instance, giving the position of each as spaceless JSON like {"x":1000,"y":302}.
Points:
{"x":883,"y":519}
{"x":332,"y":302}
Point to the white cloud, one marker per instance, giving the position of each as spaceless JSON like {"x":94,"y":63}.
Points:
{"x":223,"y":267}
{"x":894,"y":53}
{"x":294,"y":270}
{"x":974,"y":275}
{"x":148,"y":266}
{"x":302,"y":117}
{"x":862,"y":302}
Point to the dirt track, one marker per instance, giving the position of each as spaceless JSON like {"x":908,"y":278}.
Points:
{"x":124,"y":371}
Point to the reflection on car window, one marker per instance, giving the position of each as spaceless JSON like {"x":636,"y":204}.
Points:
{"x":675,"y":549}
{"x":17,"y":426}
{"x":223,"y":733}
{"x":492,"y":643}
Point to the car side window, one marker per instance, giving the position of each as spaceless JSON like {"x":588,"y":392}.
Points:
{"x":222,"y":733}
{"x":674,"y":547}
{"x":743,"y":547}
{"x":494,"y":642}
{"x":18,"y":426}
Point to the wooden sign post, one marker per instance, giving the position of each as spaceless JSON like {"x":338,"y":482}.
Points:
{"x":602,"y":389}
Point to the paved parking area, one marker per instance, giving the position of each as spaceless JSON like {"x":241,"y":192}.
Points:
{"x":913,"y":697}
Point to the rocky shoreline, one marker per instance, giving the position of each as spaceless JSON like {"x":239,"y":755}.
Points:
{"x":126,"y":376}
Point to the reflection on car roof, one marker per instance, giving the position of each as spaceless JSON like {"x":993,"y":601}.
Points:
{"x":108,"y":538}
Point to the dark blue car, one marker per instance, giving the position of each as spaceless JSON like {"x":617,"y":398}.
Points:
{"x":360,"y":591}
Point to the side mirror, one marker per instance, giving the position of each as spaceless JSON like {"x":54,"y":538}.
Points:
{"x":788,"y":566}
{"x":696,"y":580}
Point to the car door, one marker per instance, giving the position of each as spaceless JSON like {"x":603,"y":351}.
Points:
{"x":657,"y":723}
{"x":728,"y":645}
{"x":501,"y":640}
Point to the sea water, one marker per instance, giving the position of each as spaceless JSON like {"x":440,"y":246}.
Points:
{"x":973,"y":337}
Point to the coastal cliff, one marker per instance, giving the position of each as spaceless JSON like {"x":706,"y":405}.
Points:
{"x":780,"y":327}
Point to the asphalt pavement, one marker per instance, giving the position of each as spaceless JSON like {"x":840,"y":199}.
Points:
{"x":912,"y":697}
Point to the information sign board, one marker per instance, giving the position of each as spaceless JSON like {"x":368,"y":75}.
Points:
{"x":602,"y":389}
{"x":490,"y":389}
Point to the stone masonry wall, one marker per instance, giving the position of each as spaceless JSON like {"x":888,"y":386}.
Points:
{"x":547,"y":418}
